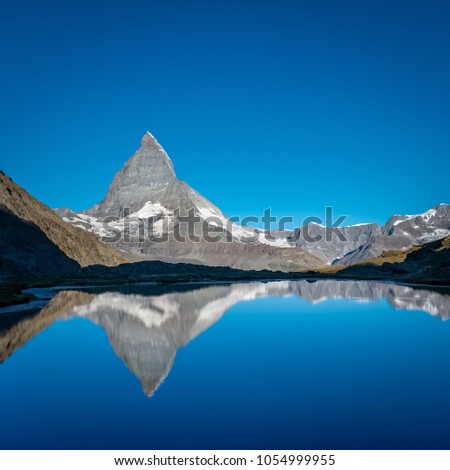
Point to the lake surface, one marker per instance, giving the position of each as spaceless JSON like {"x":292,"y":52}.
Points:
{"x":280,"y":365}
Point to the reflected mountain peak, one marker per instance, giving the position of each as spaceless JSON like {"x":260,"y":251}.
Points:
{"x":148,"y":326}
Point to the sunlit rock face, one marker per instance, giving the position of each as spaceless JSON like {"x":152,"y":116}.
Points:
{"x":149,"y":172}
{"x":147,"y":186}
{"x":327,"y":245}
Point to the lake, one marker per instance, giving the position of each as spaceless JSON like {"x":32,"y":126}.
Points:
{"x":277,"y":365}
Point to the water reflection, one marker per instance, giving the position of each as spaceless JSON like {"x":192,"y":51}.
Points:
{"x":147,"y":327}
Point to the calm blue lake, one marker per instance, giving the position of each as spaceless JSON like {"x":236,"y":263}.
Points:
{"x":281,"y":365}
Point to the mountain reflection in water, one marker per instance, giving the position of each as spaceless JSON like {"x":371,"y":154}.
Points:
{"x":147,"y":327}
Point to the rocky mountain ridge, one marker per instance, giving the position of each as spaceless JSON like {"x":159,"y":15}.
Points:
{"x":401,"y":232}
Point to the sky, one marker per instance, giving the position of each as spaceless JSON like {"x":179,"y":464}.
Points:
{"x":292,"y":105}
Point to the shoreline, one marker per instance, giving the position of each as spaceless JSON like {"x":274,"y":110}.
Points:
{"x":19,"y":293}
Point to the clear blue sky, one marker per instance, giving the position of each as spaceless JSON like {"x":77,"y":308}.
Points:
{"x":289,"y":104}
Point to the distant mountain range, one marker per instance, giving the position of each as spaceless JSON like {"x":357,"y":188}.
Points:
{"x":146,"y":198}
{"x":401,"y":232}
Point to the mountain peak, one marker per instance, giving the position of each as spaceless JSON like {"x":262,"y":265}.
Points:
{"x":149,"y":140}
{"x":152,"y":154}
{"x":148,"y":171}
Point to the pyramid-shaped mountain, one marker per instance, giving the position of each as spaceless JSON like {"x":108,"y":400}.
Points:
{"x":147,"y":208}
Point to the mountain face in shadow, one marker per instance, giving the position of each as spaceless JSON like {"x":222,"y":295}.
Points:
{"x":29,"y":229}
{"x":147,"y":326}
{"x":26,"y":251}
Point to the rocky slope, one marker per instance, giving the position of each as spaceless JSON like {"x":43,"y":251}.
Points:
{"x":26,"y":217}
{"x":330,"y":247}
{"x":403,"y":232}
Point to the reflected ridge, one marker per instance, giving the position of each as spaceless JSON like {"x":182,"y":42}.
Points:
{"x":146,"y":329}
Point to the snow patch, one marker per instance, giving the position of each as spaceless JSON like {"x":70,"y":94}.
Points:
{"x":273,"y":241}
{"x":151,"y":209}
